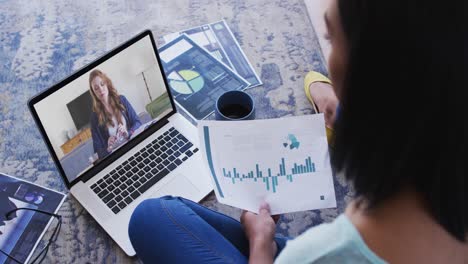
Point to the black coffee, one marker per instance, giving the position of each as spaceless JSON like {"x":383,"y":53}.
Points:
{"x":235,"y":111}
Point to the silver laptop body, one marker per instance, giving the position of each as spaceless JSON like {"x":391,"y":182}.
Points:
{"x":160,"y":158}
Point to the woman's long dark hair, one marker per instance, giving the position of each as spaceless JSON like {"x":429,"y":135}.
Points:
{"x":402,"y":122}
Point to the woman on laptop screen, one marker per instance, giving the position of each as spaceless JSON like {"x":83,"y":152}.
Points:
{"x":113,"y":120}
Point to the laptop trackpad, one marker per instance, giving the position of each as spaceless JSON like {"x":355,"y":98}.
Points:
{"x":179,"y":186}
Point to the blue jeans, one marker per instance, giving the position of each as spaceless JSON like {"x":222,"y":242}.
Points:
{"x":177,"y":230}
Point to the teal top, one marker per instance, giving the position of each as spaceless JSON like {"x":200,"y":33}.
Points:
{"x":336,"y":242}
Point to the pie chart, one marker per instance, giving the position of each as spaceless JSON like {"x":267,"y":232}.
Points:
{"x":186,"y":81}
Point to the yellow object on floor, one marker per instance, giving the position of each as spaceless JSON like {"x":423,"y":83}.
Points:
{"x":310,"y":78}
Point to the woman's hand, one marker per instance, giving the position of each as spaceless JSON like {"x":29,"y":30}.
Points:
{"x":260,"y":231}
{"x":122,"y":132}
{"x":110,"y":143}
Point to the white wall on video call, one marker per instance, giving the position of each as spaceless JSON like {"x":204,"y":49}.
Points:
{"x":125,"y":70}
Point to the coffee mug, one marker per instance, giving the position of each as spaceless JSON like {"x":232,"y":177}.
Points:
{"x":235,"y":105}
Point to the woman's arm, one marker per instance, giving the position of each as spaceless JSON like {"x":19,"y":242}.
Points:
{"x":260,"y":230}
{"x":262,"y":252}
{"x":134,"y":121}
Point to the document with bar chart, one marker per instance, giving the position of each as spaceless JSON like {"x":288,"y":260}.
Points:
{"x":284,"y":162}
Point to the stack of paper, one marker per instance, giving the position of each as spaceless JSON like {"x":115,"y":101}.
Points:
{"x":21,"y":232}
{"x":201,"y":64}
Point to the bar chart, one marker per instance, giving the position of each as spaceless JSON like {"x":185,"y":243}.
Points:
{"x":284,"y":162}
{"x":269,"y":178}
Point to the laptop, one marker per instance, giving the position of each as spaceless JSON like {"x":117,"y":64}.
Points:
{"x":116,"y":137}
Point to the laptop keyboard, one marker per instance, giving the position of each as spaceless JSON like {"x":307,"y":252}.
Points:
{"x":145,"y":168}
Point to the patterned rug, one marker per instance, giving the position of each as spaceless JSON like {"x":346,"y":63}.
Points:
{"x":44,"y":41}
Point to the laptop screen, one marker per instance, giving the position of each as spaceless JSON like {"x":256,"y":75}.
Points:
{"x":105,"y":108}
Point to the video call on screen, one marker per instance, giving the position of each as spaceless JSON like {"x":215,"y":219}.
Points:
{"x":105,"y":108}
